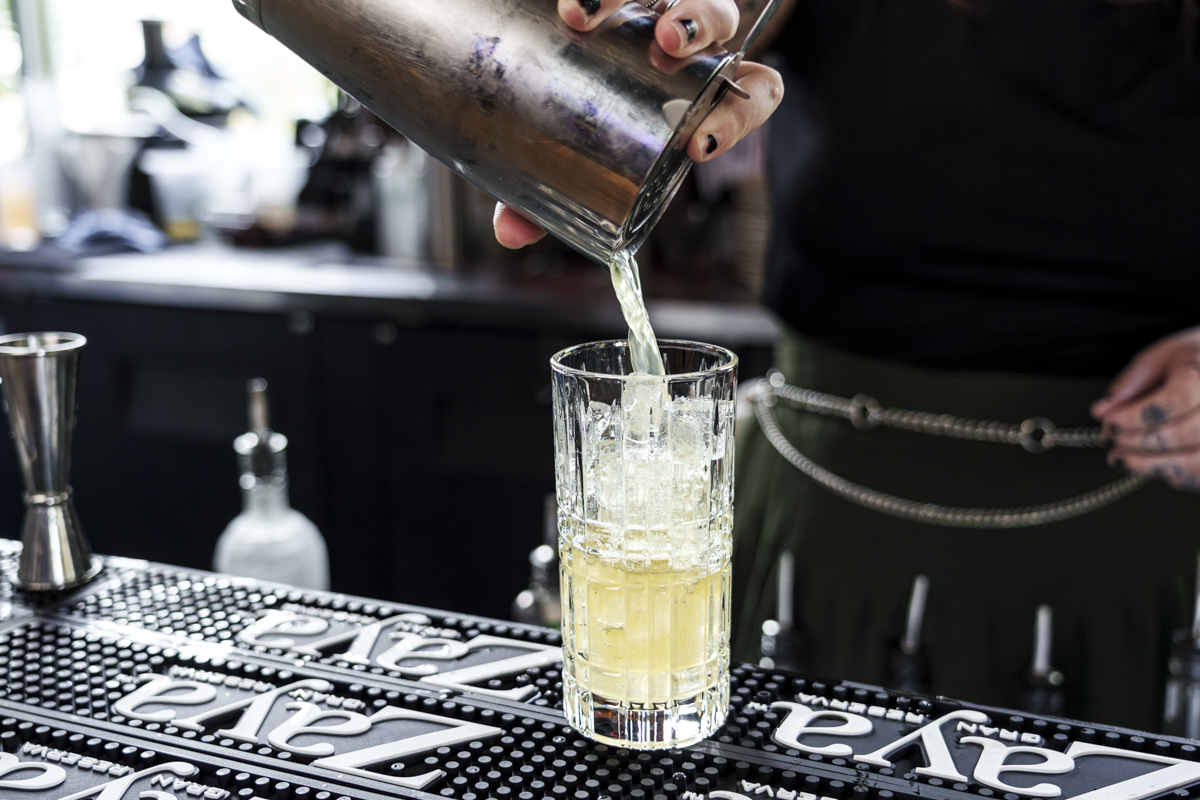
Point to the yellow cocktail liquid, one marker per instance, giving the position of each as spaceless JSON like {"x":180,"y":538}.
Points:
{"x":647,"y":640}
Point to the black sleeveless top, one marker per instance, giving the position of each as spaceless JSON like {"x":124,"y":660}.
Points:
{"x":1010,"y":185}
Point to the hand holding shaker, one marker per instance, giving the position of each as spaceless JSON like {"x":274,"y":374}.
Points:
{"x":584,"y":133}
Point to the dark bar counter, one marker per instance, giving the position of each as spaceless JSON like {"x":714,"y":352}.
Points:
{"x":326,"y":280}
{"x":158,"y":682}
{"x":416,"y":402}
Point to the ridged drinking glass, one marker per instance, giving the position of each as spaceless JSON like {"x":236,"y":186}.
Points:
{"x":644,"y":472}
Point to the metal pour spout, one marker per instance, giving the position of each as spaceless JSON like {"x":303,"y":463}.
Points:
{"x":1042,"y":690}
{"x":783,"y":645}
{"x":909,"y":666}
{"x":257,"y":410}
{"x":37,"y":371}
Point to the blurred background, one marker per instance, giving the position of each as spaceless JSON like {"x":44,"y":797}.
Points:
{"x":208,"y":209}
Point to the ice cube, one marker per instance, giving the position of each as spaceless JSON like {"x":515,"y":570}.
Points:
{"x":643,"y":404}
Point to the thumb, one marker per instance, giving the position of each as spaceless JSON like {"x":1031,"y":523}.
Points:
{"x":1146,"y":371}
{"x":513,"y":230}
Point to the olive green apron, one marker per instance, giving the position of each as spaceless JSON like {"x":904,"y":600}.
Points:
{"x":1119,"y":579}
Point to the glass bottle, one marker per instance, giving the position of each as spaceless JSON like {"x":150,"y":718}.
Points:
{"x":269,"y":540}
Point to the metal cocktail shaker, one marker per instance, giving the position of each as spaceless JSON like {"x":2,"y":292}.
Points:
{"x":585,"y":133}
{"x":38,"y":374}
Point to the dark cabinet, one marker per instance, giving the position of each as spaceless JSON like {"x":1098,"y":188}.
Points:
{"x":441,"y":453}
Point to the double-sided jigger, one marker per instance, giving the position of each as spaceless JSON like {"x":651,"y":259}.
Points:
{"x":37,"y":371}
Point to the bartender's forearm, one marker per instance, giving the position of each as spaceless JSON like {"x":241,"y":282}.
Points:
{"x":750,"y":11}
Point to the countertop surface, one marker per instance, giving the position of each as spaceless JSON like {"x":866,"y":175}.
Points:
{"x":326,"y":279}
{"x":160,"y":682}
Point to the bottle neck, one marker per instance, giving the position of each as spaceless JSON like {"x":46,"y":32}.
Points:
{"x":263,"y":463}
{"x":156,"y":50}
{"x":265,"y":498}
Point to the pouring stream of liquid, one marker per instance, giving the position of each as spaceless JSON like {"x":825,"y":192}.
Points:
{"x":643,"y":346}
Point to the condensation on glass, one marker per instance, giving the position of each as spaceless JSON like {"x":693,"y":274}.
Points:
{"x":644,"y":469}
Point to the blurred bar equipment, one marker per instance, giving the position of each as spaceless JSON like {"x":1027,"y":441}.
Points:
{"x":541,"y":604}
{"x":909,"y":668}
{"x":19,"y":228}
{"x":1181,"y":713}
{"x":38,"y":375}
{"x":782,"y":646}
{"x":584,"y":133}
{"x":1042,"y":688}
{"x":40,"y":93}
{"x":185,"y":75}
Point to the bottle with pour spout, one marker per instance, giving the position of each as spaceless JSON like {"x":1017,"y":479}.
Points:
{"x":269,"y":540}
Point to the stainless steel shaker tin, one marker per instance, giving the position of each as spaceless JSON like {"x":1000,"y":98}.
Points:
{"x":585,"y":133}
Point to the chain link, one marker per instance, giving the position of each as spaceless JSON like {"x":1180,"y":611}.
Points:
{"x":1035,"y":434}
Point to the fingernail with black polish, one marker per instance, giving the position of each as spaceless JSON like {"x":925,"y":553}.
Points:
{"x":1154,"y":415}
{"x":589,"y":6}
{"x":690,"y":26}
{"x":712,"y":145}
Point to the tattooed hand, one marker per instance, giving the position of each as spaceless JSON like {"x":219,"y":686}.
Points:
{"x":686,"y":27}
{"x":1152,"y":412}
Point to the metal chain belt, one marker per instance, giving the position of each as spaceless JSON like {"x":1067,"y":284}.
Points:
{"x":1036,"y":435}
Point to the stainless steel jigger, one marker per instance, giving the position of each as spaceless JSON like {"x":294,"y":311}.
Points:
{"x":38,"y":374}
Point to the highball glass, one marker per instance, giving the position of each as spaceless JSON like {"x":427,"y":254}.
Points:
{"x":644,"y":469}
